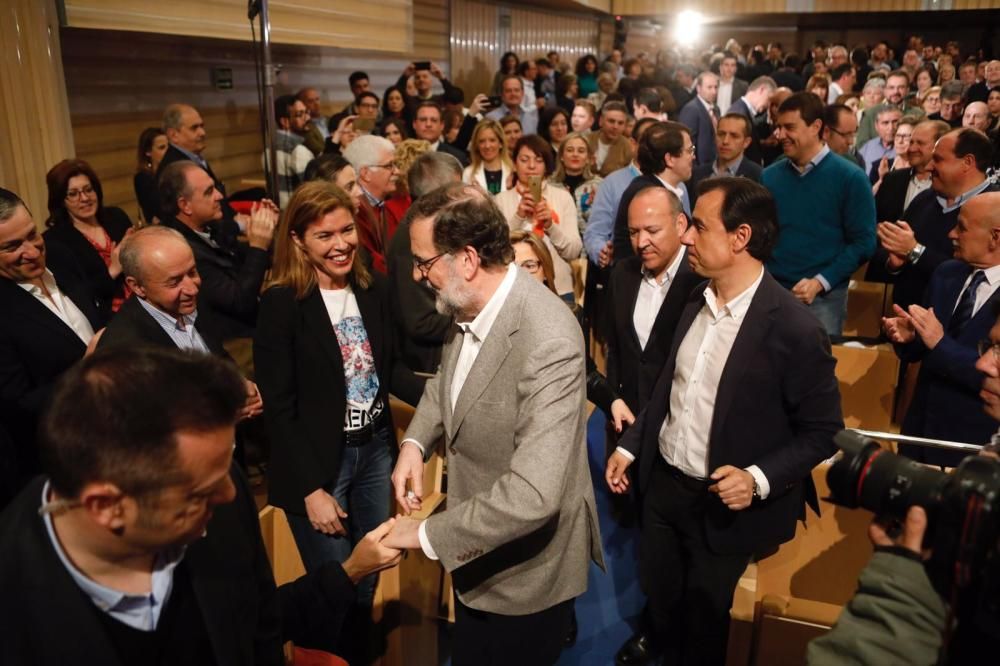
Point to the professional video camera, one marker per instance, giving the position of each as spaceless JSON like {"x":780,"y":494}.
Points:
{"x":963,"y":519}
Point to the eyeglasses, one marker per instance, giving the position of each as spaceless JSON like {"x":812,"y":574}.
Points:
{"x":531,"y":265}
{"x":846,"y":135}
{"x":987,"y":345}
{"x":73,"y":195}
{"x":387,"y":165}
{"x":690,"y":150}
{"x":425,"y":265}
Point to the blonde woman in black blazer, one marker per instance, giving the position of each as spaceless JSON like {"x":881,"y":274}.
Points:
{"x":323,"y":354}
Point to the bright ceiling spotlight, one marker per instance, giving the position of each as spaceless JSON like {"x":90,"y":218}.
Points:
{"x":688,"y":26}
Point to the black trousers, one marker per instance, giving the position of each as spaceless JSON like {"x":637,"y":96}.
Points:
{"x":689,"y":587}
{"x":489,"y":639}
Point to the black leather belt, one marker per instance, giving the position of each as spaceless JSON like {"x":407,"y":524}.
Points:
{"x":692,"y":482}
{"x":363,"y":435}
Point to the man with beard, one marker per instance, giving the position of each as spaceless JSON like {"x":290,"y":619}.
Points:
{"x":508,"y":404}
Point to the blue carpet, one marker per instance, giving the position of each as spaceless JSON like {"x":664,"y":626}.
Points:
{"x":609,"y":610}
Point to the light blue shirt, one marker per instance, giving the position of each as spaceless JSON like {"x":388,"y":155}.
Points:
{"x":183,"y":333}
{"x":601,"y":223}
{"x":823,"y":152}
{"x":139,"y":611}
{"x":529,"y":118}
{"x":962,"y":198}
{"x":872,"y":152}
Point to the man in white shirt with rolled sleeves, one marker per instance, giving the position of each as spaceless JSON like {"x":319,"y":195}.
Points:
{"x":508,"y":403}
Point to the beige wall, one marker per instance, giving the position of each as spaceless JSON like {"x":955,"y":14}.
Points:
{"x":343,"y":24}
{"x":119,"y":82}
{"x":482,"y":31}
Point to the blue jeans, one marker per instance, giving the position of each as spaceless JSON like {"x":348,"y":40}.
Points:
{"x":831,"y":308}
{"x":364,"y":491}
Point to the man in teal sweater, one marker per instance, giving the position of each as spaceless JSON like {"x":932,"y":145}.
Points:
{"x":826,"y":213}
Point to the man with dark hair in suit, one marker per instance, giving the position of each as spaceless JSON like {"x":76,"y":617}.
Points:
{"x":666,"y":158}
{"x":231,"y":273}
{"x":142,"y":544}
{"x":943,"y":331}
{"x":732,"y":139}
{"x":730,"y":87}
{"x":751,"y":105}
{"x":746,"y":405}
{"x":45,"y":329}
{"x":840,"y":127}
{"x":701,"y":115}
{"x":520,"y":529}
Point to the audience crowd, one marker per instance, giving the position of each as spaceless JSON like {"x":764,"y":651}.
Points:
{"x":603,"y":169}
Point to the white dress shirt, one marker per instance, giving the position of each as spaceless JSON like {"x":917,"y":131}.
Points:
{"x":725,"y":97}
{"x":701,"y":358}
{"x":473,"y":335}
{"x":985,"y":290}
{"x":650,"y":298}
{"x":915,"y":187}
{"x":61,"y":306}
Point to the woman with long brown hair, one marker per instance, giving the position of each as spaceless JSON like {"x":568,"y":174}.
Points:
{"x":323,"y":355}
{"x":152,"y":146}
{"x":84,"y":235}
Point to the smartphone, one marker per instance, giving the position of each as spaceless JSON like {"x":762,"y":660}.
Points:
{"x":495,"y":101}
{"x":422,"y":64}
{"x":535,"y":183}
{"x":364,"y":125}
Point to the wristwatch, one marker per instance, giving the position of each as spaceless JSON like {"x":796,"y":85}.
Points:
{"x":913,"y":256}
{"x":756,"y":490}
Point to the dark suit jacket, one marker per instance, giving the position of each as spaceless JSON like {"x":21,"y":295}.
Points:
{"x":747,"y":169}
{"x":174,"y":155}
{"x":739,"y":89}
{"x":696,"y":118}
{"x":36,"y":348}
{"x":946,"y":403}
{"x":73,"y":260}
{"x":777,"y":407}
{"x":300,"y":373}
{"x":753,"y":151}
{"x":930,"y":227}
{"x":50,"y":621}
{"x":633,"y":370}
{"x":420,"y":329}
{"x":457,"y":153}
{"x":134,"y":326}
{"x":231,"y":277}
{"x":888,"y":208}
{"x":622,"y":244}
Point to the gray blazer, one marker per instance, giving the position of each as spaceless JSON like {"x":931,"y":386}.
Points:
{"x":521,"y":526}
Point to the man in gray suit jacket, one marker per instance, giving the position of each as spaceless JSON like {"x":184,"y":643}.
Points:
{"x":508,"y":403}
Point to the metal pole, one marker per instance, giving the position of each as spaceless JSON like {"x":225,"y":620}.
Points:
{"x":921,"y":441}
{"x":268,"y":110}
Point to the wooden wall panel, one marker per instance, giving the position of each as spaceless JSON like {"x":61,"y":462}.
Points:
{"x":386,"y":26}
{"x":719,"y":7}
{"x":119,"y":82}
{"x":482,"y":31}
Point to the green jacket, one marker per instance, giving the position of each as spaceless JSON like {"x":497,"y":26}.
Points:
{"x":895,"y":617}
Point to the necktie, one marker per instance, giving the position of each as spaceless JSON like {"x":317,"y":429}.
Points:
{"x":966,"y":304}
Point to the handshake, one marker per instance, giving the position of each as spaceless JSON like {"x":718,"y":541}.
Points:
{"x":382,"y":548}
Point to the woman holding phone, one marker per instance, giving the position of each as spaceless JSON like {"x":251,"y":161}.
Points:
{"x":546,"y":210}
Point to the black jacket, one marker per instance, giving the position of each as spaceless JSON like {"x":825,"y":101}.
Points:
{"x":231,"y":276}
{"x":47,"y":619}
{"x":36,"y":348}
{"x":420,"y":329}
{"x":888,"y":208}
{"x":748,"y":169}
{"x":633,"y":370}
{"x":74,"y":261}
{"x":777,"y":407}
{"x":133,"y":326}
{"x":300,"y":373}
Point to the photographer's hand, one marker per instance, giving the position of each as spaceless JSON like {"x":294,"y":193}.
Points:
{"x":912,"y":536}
